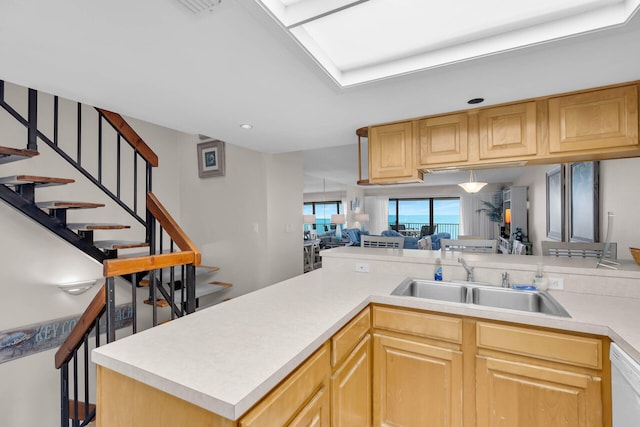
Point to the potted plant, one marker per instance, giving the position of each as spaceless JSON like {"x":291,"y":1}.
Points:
{"x":494,"y":209}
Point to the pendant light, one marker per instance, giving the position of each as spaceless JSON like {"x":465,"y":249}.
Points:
{"x":472,"y":186}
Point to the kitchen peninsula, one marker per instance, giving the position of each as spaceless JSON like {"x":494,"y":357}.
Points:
{"x":218,"y":364}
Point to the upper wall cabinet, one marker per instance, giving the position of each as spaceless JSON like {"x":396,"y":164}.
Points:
{"x":508,"y":131}
{"x":597,"y":120}
{"x":594,"y":124}
{"x":442,"y":139}
{"x":391,"y":154}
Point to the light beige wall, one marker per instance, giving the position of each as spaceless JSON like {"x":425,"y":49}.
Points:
{"x":247,"y":222}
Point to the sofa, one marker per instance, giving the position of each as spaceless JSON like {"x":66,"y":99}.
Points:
{"x":412,"y":242}
{"x":349,"y":237}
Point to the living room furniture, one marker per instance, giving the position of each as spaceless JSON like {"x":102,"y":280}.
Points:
{"x":468,"y":245}
{"x":578,"y":249}
{"x":382,"y":242}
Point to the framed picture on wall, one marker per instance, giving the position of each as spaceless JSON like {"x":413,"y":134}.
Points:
{"x":211,"y":159}
{"x":583,"y":185}
{"x":555,"y":203}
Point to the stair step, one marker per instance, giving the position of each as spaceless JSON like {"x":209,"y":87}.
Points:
{"x":119,"y":244}
{"x":87,"y":226}
{"x":200,"y":270}
{"x":82,"y":409}
{"x":8,"y":154}
{"x":159,"y":302}
{"x":57,"y":204}
{"x":39,"y":181}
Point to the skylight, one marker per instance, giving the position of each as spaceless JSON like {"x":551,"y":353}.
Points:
{"x":361,"y":41}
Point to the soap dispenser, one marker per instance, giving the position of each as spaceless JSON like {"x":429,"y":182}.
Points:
{"x":437,"y":271}
{"x":539,"y":280}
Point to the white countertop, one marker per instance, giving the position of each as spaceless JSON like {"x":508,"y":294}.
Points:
{"x":227,"y":357}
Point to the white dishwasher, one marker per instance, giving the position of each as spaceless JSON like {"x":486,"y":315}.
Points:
{"x":625,"y":388}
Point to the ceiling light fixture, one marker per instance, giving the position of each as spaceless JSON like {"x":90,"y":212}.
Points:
{"x":246,"y":126}
{"x":475,"y":101}
{"x":472,"y":186}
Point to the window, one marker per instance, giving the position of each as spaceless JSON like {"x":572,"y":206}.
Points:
{"x":442,"y":215}
{"x":323,"y":212}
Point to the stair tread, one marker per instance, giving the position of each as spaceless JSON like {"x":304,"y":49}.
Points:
{"x":8,"y":154}
{"x":205,"y":288}
{"x":119,"y":244}
{"x":59,"y":204}
{"x":96,"y":226}
{"x":159,"y":302}
{"x":40,"y":181}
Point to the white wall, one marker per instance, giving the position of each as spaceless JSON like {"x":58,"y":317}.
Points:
{"x":619,"y":194}
{"x":247,"y":222}
{"x":217,"y":213}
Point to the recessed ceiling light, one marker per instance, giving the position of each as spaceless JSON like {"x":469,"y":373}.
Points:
{"x":246,"y":126}
{"x":475,"y":101}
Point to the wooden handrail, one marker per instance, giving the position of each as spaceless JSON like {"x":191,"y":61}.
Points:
{"x":171,"y":226}
{"x":86,"y":322}
{"x":121,"y":266}
{"x":130,"y":135}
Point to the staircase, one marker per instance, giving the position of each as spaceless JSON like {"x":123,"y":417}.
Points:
{"x":169,"y":267}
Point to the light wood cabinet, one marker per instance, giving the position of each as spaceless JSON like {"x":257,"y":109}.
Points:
{"x":442,"y":139}
{"x":527,"y":377}
{"x":301,"y":400}
{"x":351,"y":378}
{"x":508,"y":131}
{"x":596,"y":121}
{"x":417,"y":373}
{"x":416,"y":383}
{"x":391,"y":154}
{"x":595,"y":124}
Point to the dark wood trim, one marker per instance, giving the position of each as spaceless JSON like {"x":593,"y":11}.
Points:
{"x":130,"y":135}
{"x":171,"y":226}
{"x":86,"y":322}
{"x":120,"y":267}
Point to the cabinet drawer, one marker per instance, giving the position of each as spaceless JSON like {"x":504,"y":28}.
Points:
{"x":555,"y":347}
{"x":349,"y":336}
{"x":289,"y":398}
{"x":420,"y":324}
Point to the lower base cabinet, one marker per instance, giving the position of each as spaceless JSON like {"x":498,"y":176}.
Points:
{"x":416,"y":384}
{"x":398,"y":367}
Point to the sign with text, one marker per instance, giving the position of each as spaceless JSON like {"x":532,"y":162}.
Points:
{"x":28,"y":340}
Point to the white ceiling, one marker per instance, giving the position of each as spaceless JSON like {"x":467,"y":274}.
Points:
{"x":208,"y":73}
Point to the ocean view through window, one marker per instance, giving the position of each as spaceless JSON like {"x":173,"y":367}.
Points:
{"x":441,"y":215}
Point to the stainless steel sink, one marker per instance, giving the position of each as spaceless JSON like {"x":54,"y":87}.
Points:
{"x":440,"y":291}
{"x":488,"y":296}
{"x":533,"y":301}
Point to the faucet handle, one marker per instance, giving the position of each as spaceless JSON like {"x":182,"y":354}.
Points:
{"x":505,"y":280}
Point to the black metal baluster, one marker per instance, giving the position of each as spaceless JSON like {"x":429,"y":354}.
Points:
{"x":64,"y":395}
{"x":118,"y":169}
{"x":134,"y":299}
{"x":75,"y":387}
{"x":135,"y":182}
{"x":79,"y":130}
{"x":86,"y":376}
{"x":99,"y":149}
{"x":32,"y":130}
{"x":55,"y":121}
{"x":111,"y":310}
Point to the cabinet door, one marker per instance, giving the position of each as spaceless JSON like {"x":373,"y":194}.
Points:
{"x":351,"y":388}
{"x":597,"y":120}
{"x":508,"y":131}
{"x":297,"y":394}
{"x":442,"y":140}
{"x":415,"y":384}
{"x":316,"y":412}
{"x":518,"y":394}
{"x":391,"y":153}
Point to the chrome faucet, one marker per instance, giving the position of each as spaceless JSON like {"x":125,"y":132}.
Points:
{"x":467,"y":268}
{"x":505,"y":280}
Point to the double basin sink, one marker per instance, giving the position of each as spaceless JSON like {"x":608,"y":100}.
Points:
{"x":535,"y":301}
